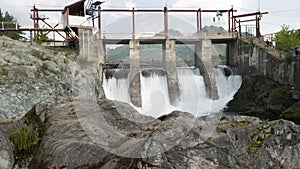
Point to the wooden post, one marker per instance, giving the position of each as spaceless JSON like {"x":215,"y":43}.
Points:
{"x":166,"y":22}
{"x":200,"y":17}
{"x":133,"y":24}
{"x":35,"y":24}
{"x":99,"y":21}
{"x":198,"y":24}
{"x":240,"y":29}
{"x":67,"y":14}
{"x":30,"y":37}
{"x":256,"y":26}
{"x":229,"y":20}
{"x":53,"y":38}
{"x":232,"y":20}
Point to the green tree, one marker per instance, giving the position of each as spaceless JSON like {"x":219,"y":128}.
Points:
{"x":8,"y":22}
{"x":42,"y":37}
{"x":286,"y":39}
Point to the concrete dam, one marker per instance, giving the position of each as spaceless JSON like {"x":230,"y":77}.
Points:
{"x":156,"y":90}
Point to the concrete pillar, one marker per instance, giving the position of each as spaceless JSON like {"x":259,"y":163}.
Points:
{"x":91,"y":58}
{"x":101,"y":52}
{"x":296,"y":70}
{"x":231,"y":54}
{"x":169,"y":61}
{"x":203,"y":60}
{"x":135,"y":82}
{"x":85,"y":42}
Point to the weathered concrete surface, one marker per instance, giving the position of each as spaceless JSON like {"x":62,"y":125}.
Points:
{"x":203,"y":60}
{"x":87,"y":77}
{"x":253,"y":57}
{"x":169,"y":61}
{"x":271,"y":81}
{"x":101,"y":51}
{"x":135,"y":81}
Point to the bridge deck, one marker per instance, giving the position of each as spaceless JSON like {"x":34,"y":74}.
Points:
{"x":215,"y":38}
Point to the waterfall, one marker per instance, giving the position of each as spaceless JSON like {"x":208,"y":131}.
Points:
{"x":154,"y":90}
{"x":116,"y":84}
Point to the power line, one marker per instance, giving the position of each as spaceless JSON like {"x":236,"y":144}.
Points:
{"x":50,"y":5}
{"x":286,"y":10}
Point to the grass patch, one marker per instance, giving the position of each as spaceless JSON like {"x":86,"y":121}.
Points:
{"x":221,"y":130}
{"x":255,"y":145}
{"x":26,"y":141}
{"x":37,"y":53}
{"x":4,"y":72}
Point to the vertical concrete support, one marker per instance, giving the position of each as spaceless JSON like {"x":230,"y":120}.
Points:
{"x":297,"y":75}
{"x":169,"y":61}
{"x":231,"y":54}
{"x":203,"y":60}
{"x":135,"y":81}
{"x":101,"y":52}
{"x":86,"y":41}
{"x":91,"y":58}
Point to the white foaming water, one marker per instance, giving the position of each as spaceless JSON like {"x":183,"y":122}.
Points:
{"x":193,"y":97}
{"x":193,"y":92}
{"x":155,"y":96}
{"x":116,"y":88}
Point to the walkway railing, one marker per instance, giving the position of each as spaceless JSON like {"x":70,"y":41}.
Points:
{"x":153,"y":35}
{"x":9,"y":26}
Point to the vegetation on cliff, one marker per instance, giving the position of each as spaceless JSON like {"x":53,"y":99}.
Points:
{"x":286,"y":39}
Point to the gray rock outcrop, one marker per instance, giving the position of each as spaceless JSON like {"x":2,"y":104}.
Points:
{"x":106,"y":134}
{"x":30,"y":74}
{"x":6,"y":152}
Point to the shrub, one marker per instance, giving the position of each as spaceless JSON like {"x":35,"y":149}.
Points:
{"x":26,"y":141}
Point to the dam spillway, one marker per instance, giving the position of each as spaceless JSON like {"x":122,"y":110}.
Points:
{"x":154,"y":90}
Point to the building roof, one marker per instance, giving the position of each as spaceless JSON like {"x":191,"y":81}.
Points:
{"x":75,"y":7}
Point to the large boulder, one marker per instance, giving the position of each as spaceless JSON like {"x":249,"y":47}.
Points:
{"x":109,"y":134}
{"x":6,"y":151}
{"x":68,"y":141}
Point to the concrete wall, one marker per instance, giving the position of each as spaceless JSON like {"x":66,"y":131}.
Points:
{"x":203,"y":60}
{"x":169,"y":62}
{"x":135,"y":81}
{"x":255,"y":58}
{"x":91,"y":60}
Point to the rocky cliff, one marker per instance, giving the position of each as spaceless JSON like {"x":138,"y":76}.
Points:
{"x":30,"y":74}
{"x":82,"y":134}
{"x":267,"y":99}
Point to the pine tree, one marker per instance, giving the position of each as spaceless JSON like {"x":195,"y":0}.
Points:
{"x":7,"y":21}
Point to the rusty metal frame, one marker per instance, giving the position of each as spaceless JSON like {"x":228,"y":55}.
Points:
{"x":257,"y":18}
{"x":165,"y":11}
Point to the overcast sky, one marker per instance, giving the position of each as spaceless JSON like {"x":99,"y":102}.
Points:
{"x":280,"y":11}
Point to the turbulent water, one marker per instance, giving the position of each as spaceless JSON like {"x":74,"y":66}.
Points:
{"x":154,"y":90}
